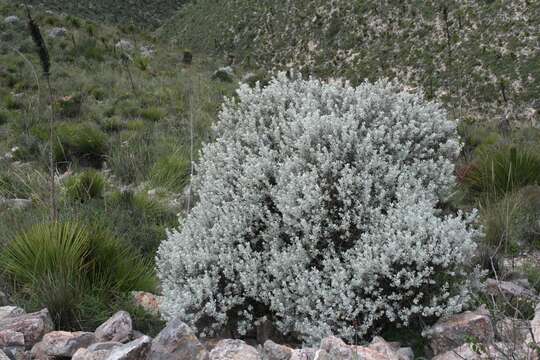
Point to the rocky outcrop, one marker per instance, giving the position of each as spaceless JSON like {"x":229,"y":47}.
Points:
{"x":275,"y":351}
{"x":177,"y":341}
{"x":230,"y":349}
{"x":57,"y":32}
{"x":118,"y":328}
{"x":449,"y":333}
{"x":134,"y":350}
{"x":32,"y":326}
{"x":61,"y":344}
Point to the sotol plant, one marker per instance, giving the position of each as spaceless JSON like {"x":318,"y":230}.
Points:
{"x":318,"y":209}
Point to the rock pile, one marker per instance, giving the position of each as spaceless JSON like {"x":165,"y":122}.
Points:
{"x":470,"y":335}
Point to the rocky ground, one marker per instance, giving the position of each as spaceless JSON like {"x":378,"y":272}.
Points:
{"x":479,"y":334}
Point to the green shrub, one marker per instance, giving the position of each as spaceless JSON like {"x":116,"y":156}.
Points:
{"x":64,"y":265}
{"x":81,"y":142}
{"x":510,"y":223}
{"x":152,"y":114}
{"x":139,"y":219}
{"x":4,"y":117}
{"x":501,"y":170}
{"x":132,"y":159}
{"x":112,"y":124}
{"x":12,"y":103}
{"x":172,"y":171}
{"x":85,"y":186}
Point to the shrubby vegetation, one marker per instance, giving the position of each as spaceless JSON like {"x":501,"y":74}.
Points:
{"x":318,"y":210}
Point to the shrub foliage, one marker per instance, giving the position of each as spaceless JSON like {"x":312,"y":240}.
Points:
{"x":318,"y":210}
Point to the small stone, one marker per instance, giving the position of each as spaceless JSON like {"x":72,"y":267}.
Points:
{"x":10,"y":311}
{"x":336,"y":348}
{"x":177,"y":341}
{"x":134,"y":350}
{"x":85,"y":354}
{"x":11,"y":338}
{"x":108,"y":345}
{"x":33,"y":326}
{"x":118,"y":327}
{"x":124,"y":45}
{"x":303,"y":354}
{"x":61,"y":344}
{"x":12,"y":19}
{"x":453,"y":331}
{"x":225,"y":74}
{"x":405,"y":353}
{"x":57,"y":32}
{"x":510,"y":289}
{"x":230,"y":349}
{"x":275,"y":351}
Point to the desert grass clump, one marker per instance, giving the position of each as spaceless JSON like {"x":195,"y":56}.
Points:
{"x":501,"y":170}
{"x":153,"y":113}
{"x":318,"y":209}
{"x":79,"y":142}
{"x":85,"y":186}
{"x":172,"y":172}
{"x":63,"y":265}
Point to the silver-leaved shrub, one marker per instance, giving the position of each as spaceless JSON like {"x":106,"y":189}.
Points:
{"x":317,"y":209}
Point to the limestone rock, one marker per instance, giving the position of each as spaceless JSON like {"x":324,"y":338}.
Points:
{"x":134,"y":350}
{"x":61,"y":344}
{"x":303,"y":354}
{"x":12,"y":19}
{"x":97,"y":351}
{"x":119,"y":328}
{"x":275,"y":351}
{"x":230,"y":349}
{"x":33,"y":326}
{"x":336,"y":348}
{"x":177,"y":341}
{"x":10,"y":311}
{"x":509,"y":290}
{"x":453,"y":331}
{"x":124,"y":45}
{"x":57,"y":32}
{"x":512,"y":330}
{"x":11,"y":338}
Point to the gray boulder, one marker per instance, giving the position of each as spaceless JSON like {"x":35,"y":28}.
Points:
{"x":275,"y":351}
{"x":230,"y":349}
{"x":177,"y":341}
{"x":10,"y":311}
{"x":118,"y":327}
{"x":12,"y":19}
{"x":57,"y":32}
{"x":33,"y":326}
{"x":61,"y":344}
{"x":134,"y":350}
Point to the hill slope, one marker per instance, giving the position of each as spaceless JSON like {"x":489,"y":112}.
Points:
{"x":479,"y":57}
{"x":136,"y":12}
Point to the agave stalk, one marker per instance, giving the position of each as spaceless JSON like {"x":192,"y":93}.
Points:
{"x":44,"y":59}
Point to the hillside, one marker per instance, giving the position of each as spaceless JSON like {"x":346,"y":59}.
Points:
{"x":132,"y":118}
{"x":478,"y":57}
{"x":135,"y":13}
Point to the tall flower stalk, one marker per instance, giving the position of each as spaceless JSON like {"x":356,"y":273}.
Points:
{"x":45,"y":61}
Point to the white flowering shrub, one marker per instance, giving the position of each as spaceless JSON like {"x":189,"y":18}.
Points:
{"x":317,"y":208}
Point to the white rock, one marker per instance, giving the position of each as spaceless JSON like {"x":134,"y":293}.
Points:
{"x":57,"y":32}
{"x":12,"y":19}
{"x":125,"y":45}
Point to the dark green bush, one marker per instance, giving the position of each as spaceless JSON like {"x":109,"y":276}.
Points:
{"x":85,"y":186}
{"x":81,"y":142}
{"x":152,"y":114}
{"x":64,"y":266}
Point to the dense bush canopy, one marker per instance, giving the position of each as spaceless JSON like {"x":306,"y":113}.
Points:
{"x":317,"y":208}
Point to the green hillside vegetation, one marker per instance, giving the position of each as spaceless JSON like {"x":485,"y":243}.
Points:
{"x":128,"y":13}
{"x":478,"y":57}
{"x":131,"y":112}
